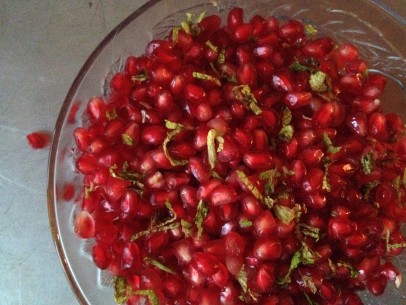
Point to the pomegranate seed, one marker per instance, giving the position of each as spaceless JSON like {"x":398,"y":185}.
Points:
{"x":38,"y":140}
{"x":267,"y":248}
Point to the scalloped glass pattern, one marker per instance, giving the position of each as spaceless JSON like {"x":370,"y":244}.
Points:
{"x":379,"y":36}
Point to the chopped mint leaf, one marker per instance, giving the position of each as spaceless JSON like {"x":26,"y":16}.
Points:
{"x":245,"y":223}
{"x":269,"y":175}
{"x":211,"y":147}
{"x":297,"y":67}
{"x":294,"y":262}
{"x":175,"y":34}
{"x":308,"y":282}
{"x":158,"y":265}
{"x":353,"y":272}
{"x":367,"y":162}
{"x":330,"y":147}
{"x":310,"y":231}
{"x":201,"y":214}
{"x":244,"y":179}
{"x":222,"y":56}
{"x":366,"y":189}
{"x":242,"y":279}
{"x":176,"y":128}
{"x":88,"y":190}
{"x":166,"y":226}
{"x":150,"y":294}
{"x":269,"y":202}
{"x":243,"y":93}
{"x":310,"y":29}
{"x":173,"y":125}
{"x":141,"y":77}
{"x":317,"y":81}
{"x":111,"y":114}
{"x":187,"y":228}
{"x":286,"y":116}
{"x":191,"y":26}
{"x":208,"y":77}
{"x":121,"y":290}
{"x":127,"y":139}
{"x":307,"y":255}
{"x":284,"y":213}
{"x":286,"y":132}
{"x":326,"y":184}
{"x":212,"y":46}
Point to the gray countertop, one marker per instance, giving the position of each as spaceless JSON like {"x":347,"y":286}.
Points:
{"x":43,"y":44}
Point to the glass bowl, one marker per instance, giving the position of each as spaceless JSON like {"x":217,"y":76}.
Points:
{"x":369,"y":25}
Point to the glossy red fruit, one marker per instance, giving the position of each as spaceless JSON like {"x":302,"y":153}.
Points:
{"x":38,"y":140}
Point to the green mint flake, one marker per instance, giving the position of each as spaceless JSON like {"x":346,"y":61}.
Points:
{"x":150,"y":294}
{"x":269,"y":202}
{"x":330,"y":147}
{"x":244,"y":179}
{"x":88,"y":190}
{"x":211,"y":147}
{"x":353,"y":272}
{"x":111,"y":114}
{"x":191,"y":26}
{"x":127,"y":139}
{"x":310,"y":231}
{"x":187,"y":228}
{"x":166,"y":226}
{"x":307,"y":255}
{"x":222,"y":56}
{"x":212,"y":46}
{"x":242,"y":279}
{"x":269,"y":175}
{"x":121,"y":290}
{"x":208,"y":77}
{"x":310,"y":29}
{"x":245,"y":223}
{"x":297,"y":67}
{"x":326,"y":184}
{"x":284,"y":213}
{"x":186,"y":27}
{"x":366,"y":189}
{"x":158,"y":265}
{"x":367,"y":162}
{"x":201,"y":213}
{"x":243,"y":93}
{"x":308,"y":282}
{"x":286,"y":116}
{"x":176,"y":128}
{"x":294,"y":262}
{"x":173,"y":125}
{"x":175,"y":34}
{"x":286,"y":132}
{"x":317,"y":81}
{"x":141,"y":77}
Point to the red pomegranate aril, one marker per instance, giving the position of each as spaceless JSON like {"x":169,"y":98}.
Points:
{"x":265,"y":224}
{"x":281,"y":82}
{"x":313,"y":180}
{"x":291,"y":31}
{"x":205,"y":263}
{"x":297,"y":100}
{"x":347,"y":52}
{"x":101,"y":256}
{"x":96,"y":110}
{"x":235,"y":17}
{"x":234,"y":244}
{"x":247,"y":75}
{"x":153,"y":135}
{"x":366,"y":105}
{"x":377,"y":125}
{"x":319,"y":47}
{"x":87,"y":164}
{"x":267,"y":248}
{"x":84,"y":225}
{"x":264,"y":278}
{"x":203,"y":111}
{"x":199,"y":169}
{"x":120,"y":84}
{"x":38,"y":140}
{"x":223,"y":194}
{"x":340,"y":227}
{"x":259,"y":160}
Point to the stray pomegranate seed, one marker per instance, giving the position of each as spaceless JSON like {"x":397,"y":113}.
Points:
{"x":39,"y":139}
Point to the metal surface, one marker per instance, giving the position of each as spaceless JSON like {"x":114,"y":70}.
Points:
{"x":43,"y":45}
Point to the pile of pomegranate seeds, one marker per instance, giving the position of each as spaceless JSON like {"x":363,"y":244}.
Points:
{"x":249,"y":163}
